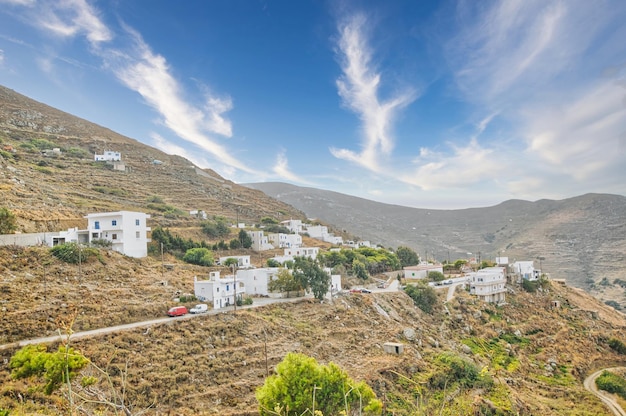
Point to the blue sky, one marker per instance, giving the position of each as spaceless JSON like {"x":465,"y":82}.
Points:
{"x":449,"y":104}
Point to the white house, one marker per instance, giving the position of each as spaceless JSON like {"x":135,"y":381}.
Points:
{"x":260,"y":241}
{"x":317,"y":231}
{"x":282,"y":240}
{"x":126,"y":230}
{"x":489,"y":284}
{"x":242,"y":261}
{"x":310,"y":252}
{"x":421,"y":271}
{"x":220,"y":291}
{"x":524,"y":270}
{"x":295,"y":226}
{"x":255,"y":280}
{"x":109,"y":156}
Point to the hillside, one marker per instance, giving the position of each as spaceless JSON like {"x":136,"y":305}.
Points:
{"x":54,"y":192}
{"x":535,"y":354}
{"x":581,"y":239}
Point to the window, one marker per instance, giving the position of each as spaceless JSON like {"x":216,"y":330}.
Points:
{"x":114,"y":223}
{"x":137,"y":222}
{"x":114,"y":236}
{"x":96,"y":225}
{"x":137,"y":234}
{"x":94,"y":235}
{"x":227,"y":288}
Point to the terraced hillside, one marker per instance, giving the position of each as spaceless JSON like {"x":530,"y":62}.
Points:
{"x":532,"y":356}
{"x":55,"y":191}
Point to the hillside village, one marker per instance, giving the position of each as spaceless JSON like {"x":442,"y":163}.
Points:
{"x":480,"y":337}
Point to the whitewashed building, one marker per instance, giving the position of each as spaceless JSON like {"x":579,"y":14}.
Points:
{"x":108,"y":156}
{"x":489,"y":284}
{"x":281,"y":240}
{"x":421,"y":271}
{"x":221,"y":292}
{"x":126,"y":230}
{"x":310,"y":252}
{"x":524,"y":270}
{"x":295,"y":226}
{"x":260,"y":242}
{"x":242,"y":261}
{"x":256,"y":280}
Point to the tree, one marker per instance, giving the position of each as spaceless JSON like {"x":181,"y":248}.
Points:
{"x":302,"y":386}
{"x":284,"y":282}
{"x":8,"y":222}
{"x":423,"y":296}
{"x":359,"y":270}
{"x":234,"y":244}
{"x":436,"y":276}
{"x":407,"y":256}
{"x":245,"y":239}
{"x":311,"y":276}
{"x":199,"y":256}
{"x":272,"y":263}
{"x":215,"y":229}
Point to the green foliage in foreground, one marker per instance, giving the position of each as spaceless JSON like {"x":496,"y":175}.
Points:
{"x":55,"y":367}
{"x":8,"y":222}
{"x":612,"y":383}
{"x":302,"y":386}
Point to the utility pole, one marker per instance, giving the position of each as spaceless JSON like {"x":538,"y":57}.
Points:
{"x":235,"y":284}
{"x":162,"y":264}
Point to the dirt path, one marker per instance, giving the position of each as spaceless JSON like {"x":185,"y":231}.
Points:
{"x":590,"y":384}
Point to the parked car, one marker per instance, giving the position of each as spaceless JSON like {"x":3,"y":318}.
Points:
{"x":177,"y":311}
{"x":199,"y":308}
{"x":448,"y":282}
{"x":366,"y":291}
{"x":355,"y":290}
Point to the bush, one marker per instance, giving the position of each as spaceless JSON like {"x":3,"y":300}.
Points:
{"x":617,"y":345}
{"x":301,"y":385}
{"x":199,"y":256}
{"x":436,"y":276}
{"x":73,"y":253}
{"x":8,"y":222}
{"x":612,"y":383}
{"x":454,"y":370}
{"x":423,"y":296}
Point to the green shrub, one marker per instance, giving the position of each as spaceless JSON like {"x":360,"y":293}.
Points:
{"x":612,"y":383}
{"x":423,"y":296}
{"x":77,"y":152}
{"x":73,"y":253}
{"x":455,"y":370}
{"x":199,"y":256}
{"x":44,"y":170}
{"x":617,"y":345}
{"x":8,"y":222}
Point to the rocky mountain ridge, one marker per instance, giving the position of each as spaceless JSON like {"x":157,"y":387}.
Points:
{"x":581,"y":239}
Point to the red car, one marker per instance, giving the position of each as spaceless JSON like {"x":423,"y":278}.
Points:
{"x":177,"y":311}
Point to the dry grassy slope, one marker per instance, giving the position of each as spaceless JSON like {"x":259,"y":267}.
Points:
{"x":212,"y":365}
{"x":59,"y":194}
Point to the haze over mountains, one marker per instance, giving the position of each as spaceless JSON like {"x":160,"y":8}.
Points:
{"x":581,"y":239}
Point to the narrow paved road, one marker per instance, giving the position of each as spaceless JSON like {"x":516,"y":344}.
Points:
{"x":142,"y":324}
{"x":590,"y":384}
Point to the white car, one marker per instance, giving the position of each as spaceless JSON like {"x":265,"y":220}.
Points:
{"x":200,"y":308}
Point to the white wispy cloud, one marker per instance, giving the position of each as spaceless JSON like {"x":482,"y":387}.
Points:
{"x":359,"y":88}
{"x":530,"y":60}
{"x":148,"y":73}
{"x":581,"y":137}
{"x":69,"y":18}
{"x":281,"y":168}
{"x":464,"y":166}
